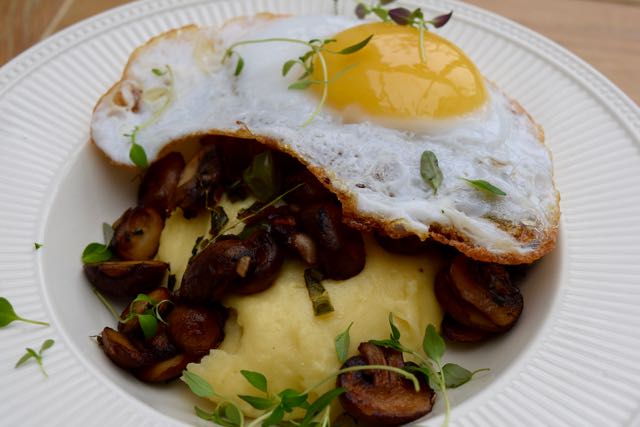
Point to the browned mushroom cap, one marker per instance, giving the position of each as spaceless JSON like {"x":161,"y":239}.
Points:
{"x":165,"y":370}
{"x":210,"y":273}
{"x":195,"y":330}
{"x":455,"y":331}
{"x":121,"y":351}
{"x":487,"y":287}
{"x":132,"y":326}
{"x":126,"y":278}
{"x":159,"y":183}
{"x":460,"y":310}
{"x":261,"y":265}
{"x":382,"y":397}
{"x":198,"y":181}
{"x":136,"y":234}
{"x":340,"y":250}
{"x":232,"y":265}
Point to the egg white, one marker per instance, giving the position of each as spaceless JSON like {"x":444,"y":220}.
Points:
{"x":374,"y":163}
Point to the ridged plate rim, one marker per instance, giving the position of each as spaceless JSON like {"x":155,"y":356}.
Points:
{"x":21,"y":269}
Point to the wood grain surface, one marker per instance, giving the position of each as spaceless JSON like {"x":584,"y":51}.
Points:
{"x":605,"y":33}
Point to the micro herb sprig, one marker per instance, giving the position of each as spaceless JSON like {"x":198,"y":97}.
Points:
{"x":31,"y":353}
{"x":275,"y":406}
{"x":99,"y":252}
{"x":317,"y":48}
{"x":8,"y":315}
{"x":484,"y":186}
{"x":166,"y":94}
{"x":246,"y":218}
{"x":441,"y":377}
{"x":148,"y":318}
{"x":37,"y":245}
{"x":403,"y":16}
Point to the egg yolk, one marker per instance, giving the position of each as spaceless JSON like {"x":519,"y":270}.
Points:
{"x":388,"y":79}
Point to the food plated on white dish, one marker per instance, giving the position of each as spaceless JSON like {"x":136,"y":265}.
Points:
{"x":548,"y":272}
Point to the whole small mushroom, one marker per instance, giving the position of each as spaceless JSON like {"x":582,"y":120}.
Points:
{"x":381,"y":397}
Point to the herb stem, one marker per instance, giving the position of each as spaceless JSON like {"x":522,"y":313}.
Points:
{"x":402,"y":372}
{"x":325,"y":88}
{"x":109,"y":307}
{"x":271,"y":203}
{"x":259,"y":420}
{"x":445,"y":395}
{"x":34,"y":322}
{"x":269,"y":40}
{"x":421,"y":27}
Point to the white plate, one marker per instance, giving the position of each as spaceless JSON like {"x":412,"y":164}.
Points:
{"x":572,"y":359}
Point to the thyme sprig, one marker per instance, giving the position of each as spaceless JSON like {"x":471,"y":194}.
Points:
{"x":441,"y":377}
{"x":277,"y":405}
{"x":403,"y":16}
{"x":36,"y":355}
{"x":152,"y":95}
{"x":317,"y":49}
{"x":148,"y":318}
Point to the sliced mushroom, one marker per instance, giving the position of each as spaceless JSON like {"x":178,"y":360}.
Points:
{"x":126,"y":278}
{"x":210,"y":273}
{"x":198,"y":181}
{"x":132,"y":326}
{"x":455,"y":331}
{"x":160,"y":182}
{"x":195,"y":330}
{"x":160,"y":346}
{"x":266,"y":258}
{"x":165,"y":370}
{"x":121,"y":351}
{"x":460,"y":310}
{"x":488,"y":288}
{"x":340,"y":249}
{"x":381,"y":397}
{"x":136,"y":235}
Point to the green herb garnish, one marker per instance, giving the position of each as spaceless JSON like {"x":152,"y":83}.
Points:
{"x":37,"y":245}
{"x":8,"y":315}
{"x":261,"y":176}
{"x":430,"y":171}
{"x":137,"y":153}
{"x":306,"y":61}
{"x":31,"y":353}
{"x":440,"y":377}
{"x":276,"y":405}
{"x":342,"y":342}
{"x":148,"y":318}
{"x":403,"y":16}
{"x":96,"y":252}
{"x":166,"y":94}
{"x":317,"y":293}
{"x":487,"y":187}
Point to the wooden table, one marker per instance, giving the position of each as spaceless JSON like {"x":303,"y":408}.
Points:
{"x":605,"y":33}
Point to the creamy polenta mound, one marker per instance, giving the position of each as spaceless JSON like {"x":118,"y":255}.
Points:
{"x":276,"y":333}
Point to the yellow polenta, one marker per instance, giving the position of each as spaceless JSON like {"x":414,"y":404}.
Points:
{"x":276,"y":333}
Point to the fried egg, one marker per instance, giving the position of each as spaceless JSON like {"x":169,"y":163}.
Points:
{"x":384,"y":108}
